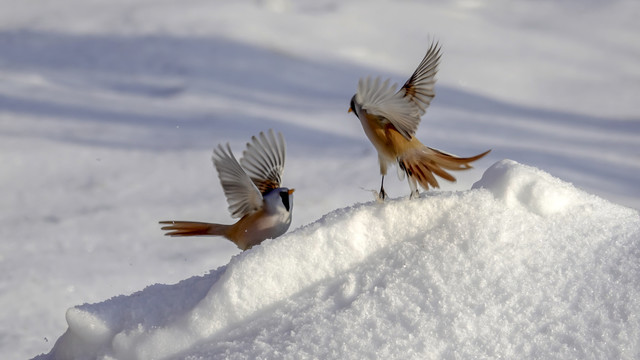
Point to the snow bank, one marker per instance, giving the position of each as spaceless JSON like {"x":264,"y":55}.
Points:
{"x":523,"y":265}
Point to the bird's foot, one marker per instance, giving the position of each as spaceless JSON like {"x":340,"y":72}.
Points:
{"x":414,"y":195}
{"x":382,"y":195}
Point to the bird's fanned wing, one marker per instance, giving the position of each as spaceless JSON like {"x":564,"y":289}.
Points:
{"x":263,"y":160}
{"x":419,"y":89}
{"x":242,"y":195}
{"x":403,"y":108}
{"x":382,"y":100}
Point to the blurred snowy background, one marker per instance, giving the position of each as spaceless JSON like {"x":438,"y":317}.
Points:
{"x":109,"y":111}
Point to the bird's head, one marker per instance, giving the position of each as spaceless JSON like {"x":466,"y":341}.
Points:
{"x":354,"y":106}
{"x":280,"y":199}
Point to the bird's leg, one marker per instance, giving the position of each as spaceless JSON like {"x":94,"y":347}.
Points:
{"x":383,"y":171}
{"x":414,"y":188}
{"x":382,"y":194}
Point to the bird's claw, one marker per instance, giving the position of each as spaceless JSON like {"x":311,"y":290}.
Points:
{"x":382,"y":195}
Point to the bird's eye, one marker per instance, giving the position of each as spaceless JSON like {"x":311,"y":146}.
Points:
{"x":284,"y":195}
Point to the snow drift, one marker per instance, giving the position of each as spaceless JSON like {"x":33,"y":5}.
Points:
{"x":523,"y":265}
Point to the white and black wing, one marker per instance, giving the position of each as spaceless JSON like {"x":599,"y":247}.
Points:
{"x":242,"y":195}
{"x":264,"y":159}
{"x":419,"y":89}
{"x":381,"y":99}
{"x":402,"y":108}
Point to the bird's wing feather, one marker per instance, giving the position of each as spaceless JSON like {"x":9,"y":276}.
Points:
{"x":242,"y":195}
{"x":263,"y":160}
{"x":419,"y":89}
{"x":382,"y":100}
{"x":403,"y":108}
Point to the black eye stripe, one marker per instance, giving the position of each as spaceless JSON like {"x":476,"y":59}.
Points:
{"x":353,"y":105}
{"x":284,"y":195}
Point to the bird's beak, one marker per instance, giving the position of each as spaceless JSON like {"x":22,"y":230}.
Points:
{"x":291,"y":191}
{"x":350,"y":110}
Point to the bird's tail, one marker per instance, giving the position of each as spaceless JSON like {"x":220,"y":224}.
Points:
{"x":421,"y":164}
{"x":192,"y":228}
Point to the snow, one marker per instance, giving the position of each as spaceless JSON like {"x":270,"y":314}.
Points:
{"x":505,"y":270}
{"x":109,"y":111}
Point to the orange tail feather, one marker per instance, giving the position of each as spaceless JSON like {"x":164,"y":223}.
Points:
{"x":193,"y":228}
{"x":421,"y":164}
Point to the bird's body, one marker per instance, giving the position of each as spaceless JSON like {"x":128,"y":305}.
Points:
{"x":253,"y":192}
{"x":247,"y":232}
{"x":390,"y":120}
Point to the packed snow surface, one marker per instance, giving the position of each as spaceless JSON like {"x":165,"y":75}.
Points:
{"x":524,"y":265}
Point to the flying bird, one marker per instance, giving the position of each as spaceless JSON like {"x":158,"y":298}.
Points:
{"x":390,"y":119}
{"x":253,"y":191}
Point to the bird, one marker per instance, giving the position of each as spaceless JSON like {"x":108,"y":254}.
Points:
{"x":253,"y":191}
{"x":390,"y":119}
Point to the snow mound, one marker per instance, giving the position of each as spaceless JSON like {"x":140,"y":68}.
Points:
{"x":521,"y":266}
